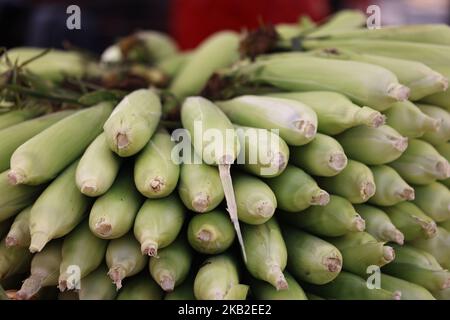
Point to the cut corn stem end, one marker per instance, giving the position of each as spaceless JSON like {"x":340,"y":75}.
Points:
{"x":201,"y":202}
{"x":11,"y":241}
{"x":38,"y":241}
{"x":167,"y":283}
{"x":16,"y":177}
{"x":278,"y":161}
{"x":309,"y":129}
{"x":103,"y":227}
{"x":277,"y":278}
{"x":398,"y":92}
{"x":156,"y":184}
{"x":406,"y":194}
{"x":30,"y":287}
{"x":388,"y":254}
{"x":400,"y":144}
{"x":394,"y":235}
{"x":397,"y":295}
{"x":117,"y":274}
{"x":149,"y":248}
{"x":429,"y":228}
{"x":359,"y":224}
{"x":122,"y":141}
{"x":321,"y":198}
{"x":207,"y":234}
{"x":443,"y":170}
{"x":367,"y":190}
{"x":262,"y":208}
{"x":370,"y":117}
{"x":89,"y":187}
{"x":333,"y":264}
{"x":337,"y":161}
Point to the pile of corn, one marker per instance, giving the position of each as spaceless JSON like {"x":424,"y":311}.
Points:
{"x":360,"y":181}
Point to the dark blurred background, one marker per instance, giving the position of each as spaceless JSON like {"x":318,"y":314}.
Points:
{"x":42,"y":23}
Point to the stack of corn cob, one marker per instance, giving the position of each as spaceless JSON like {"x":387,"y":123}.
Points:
{"x":356,"y":180}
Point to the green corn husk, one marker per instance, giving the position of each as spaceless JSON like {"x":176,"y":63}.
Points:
{"x":444,"y":150}
{"x":391,"y":188}
{"x":133,"y":122}
{"x":140,"y":287}
{"x":411,"y":221}
{"x":373,"y":146}
{"x":420,"y":79}
{"x":3,"y":295}
{"x":421,"y":164}
{"x":440,"y":99}
{"x":53,"y":215}
{"x":155,"y":174}
{"x":342,"y":21}
{"x":267,"y":254}
{"x":44,"y":271}
{"x":264,"y":291}
{"x":15,"y":198}
{"x":335,"y":112}
{"x":216,"y":52}
{"x":83,"y":250}
{"x":296,"y":122}
{"x":263,"y":153}
{"x":295,"y":190}
{"x":199,"y":187}
{"x":158,"y":224}
{"x":442,"y":294}
{"x":97,"y":286}
{"x":12,"y":137}
{"x":355,"y":182}
{"x":158,"y":45}
{"x":218,"y":279}
{"x":445,"y":225}
{"x":211,"y":233}
{"x":335,"y":219}
{"x":409,"y":290}
{"x":419,"y":267}
{"x":434,"y":199}
{"x":55,"y":65}
{"x":19,"y":233}
{"x":323,"y":156}
{"x":365,"y":84}
{"x":438,"y":246}
{"x":256,"y":202}
{"x":360,"y":251}
{"x":42,"y":157}
{"x":428,"y":54}
{"x":13,"y":260}
{"x":124,"y":259}
{"x":113,"y":214}
{"x":311,"y":259}
{"x":173,"y":64}
{"x":172,"y":265}
{"x":348,"y":286}
{"x":442,"y":134}
{"x":185,"y":291}
{"x":15,"y":117}
{"x":379,"y":225}
{"x":98,"y":168}
{"x":311,"y":296}
{"x":409,"y":120}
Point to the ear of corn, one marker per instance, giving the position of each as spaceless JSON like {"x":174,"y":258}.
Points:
{"x":419,"y":267}
{"x":211,"y":233}
{"x":409,"y":290}
{"x":440,"y":99}
{"x":373,"y":146}
{"x":158,"y":224}
{"x":12,"y":137}
{"x":13,"y":260}
{"x":355,"y":182}
{"x":360,"y":251}
{"x":442,"y":134}
{"x":365,"y":84}
{"x":348,"y":286}
{"x":335,"y":219}
{"x":438,"y":246}
{"x":409,"y":120}
{"x":267,"y":254}
{"x":218,"y":279}
{"x":295,"y":190}
{"x":42,"y":157}
{"x":323,"y":156}
{"x":311,"y":259}
{"x":15,"y":117}
{"x":113,"y":214}
{"x":140,"y":287}
{"x":421,"y":164}
{"x":444,"y":150}
{"x":159,"y":45}
{"x":97,"y":286}
{"x":172,"y":265}
{"x":44,"y":271}
{"x":296,"y":122}
{"x":411,"y":221}
{"x":173,"y":64}
{"x":53,"y":216}
{"x":97,"y":169}
{"x":263,"y":153}
{"x":335,"y":112}
{"x":19,"y":233}
{"x":434,"y":199}
{"x":133,"y":122}
{"x":391,"y":188}
{"x":264,"y":291}
{"x":185,"y":291}
{"x":124,"y":259}
{"x":379,"y":225}
{"x":342,"y":21}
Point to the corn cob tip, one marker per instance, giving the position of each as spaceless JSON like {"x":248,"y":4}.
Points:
{"x":122,"y":141}
{"x":407,"y":194}
{"x":443,"y":169}
{"x":337,"y":161}
{"x":103,"y":227}
{"x":167,"y":283}
{"x":149,"y":248}
{"x":367,"y":190}
{"x":321,"y":198}
{"x":397,"y":295}
{"x":309,"y":129}
{"x":388,"y":254}
{"x":359,"y":224}
{"x":156,"y":184}
{"x":206,"y":235}
{"x":429,"y":228}
{"x":16,"y":177}
{"x":11,"y":241}
{"x":38,"y":241}
{"x":201,"y":202}
{"x":333,"y":264}
{"x":398,"y":92}
{"x":400,"y":144}
{"x":262,"y":208}
{"x":88,"y":187}
{"x":117,"y":274}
